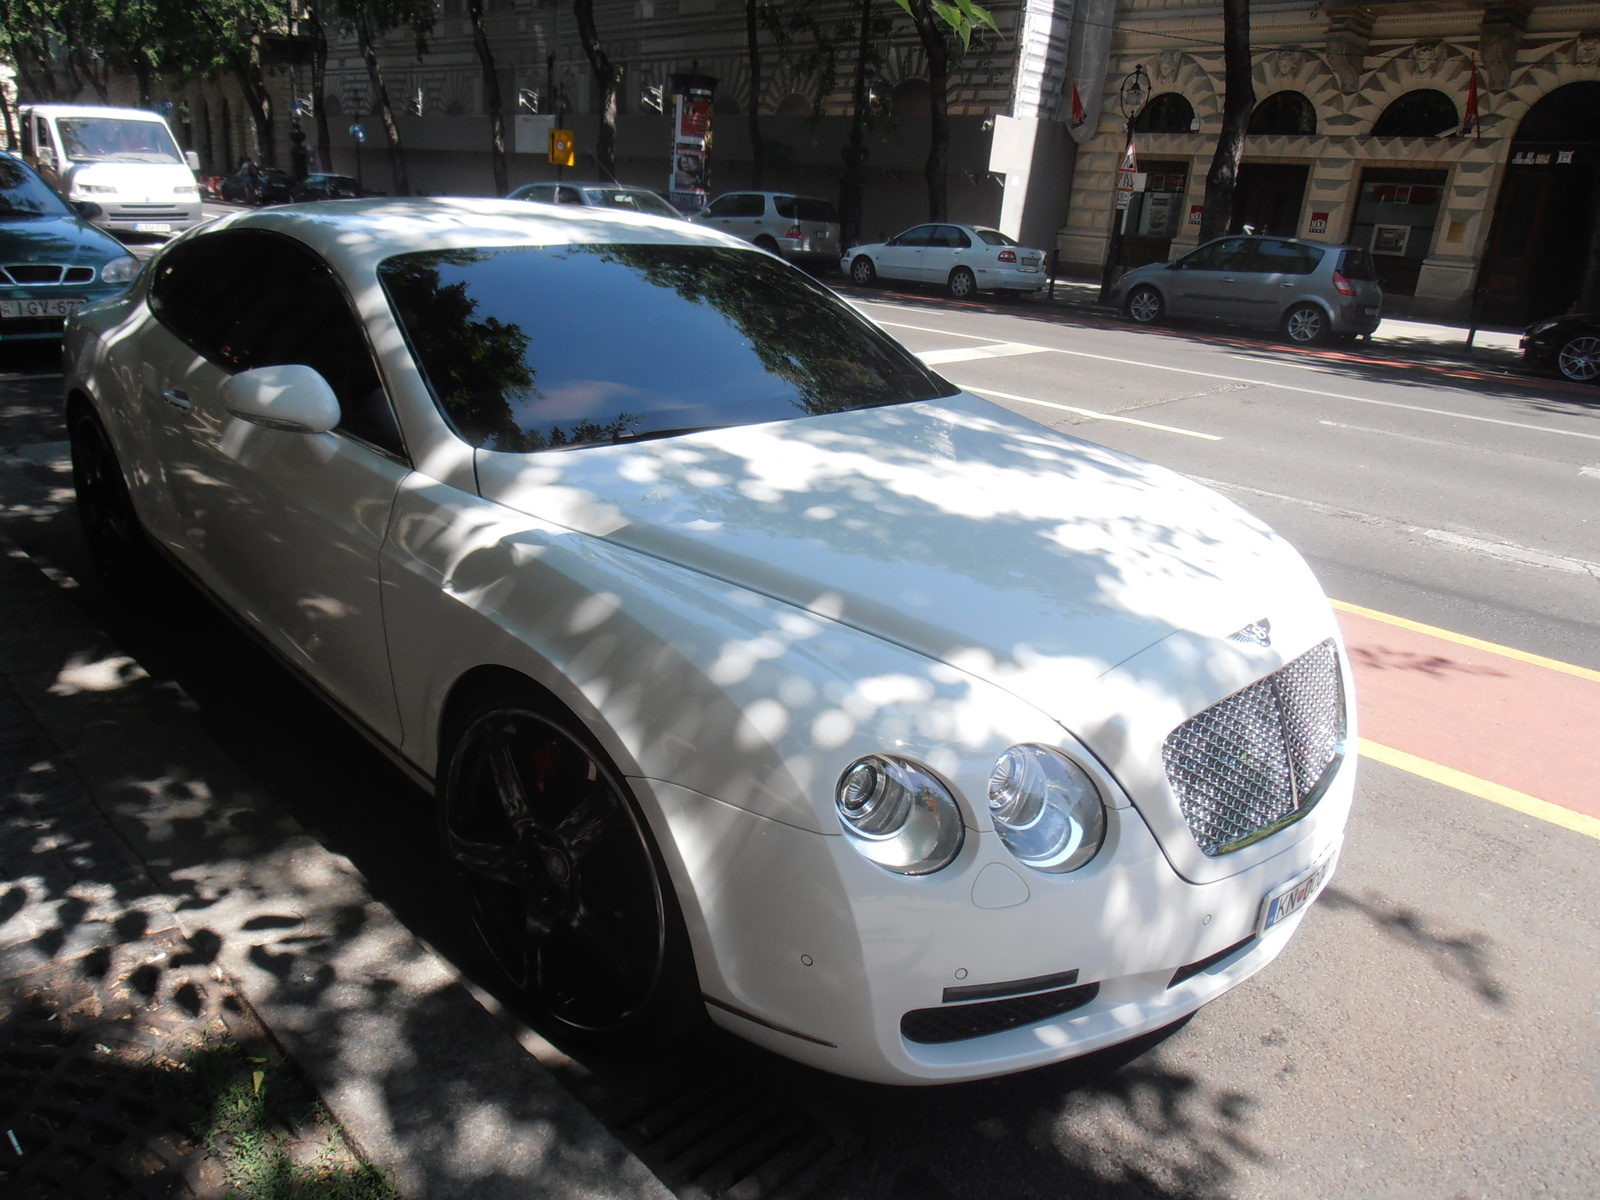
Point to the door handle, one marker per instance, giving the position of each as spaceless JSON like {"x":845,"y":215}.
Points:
{"x":177,"y":399}
{"x":1286,"y":285}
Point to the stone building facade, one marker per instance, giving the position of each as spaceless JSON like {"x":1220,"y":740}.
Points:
{"x":1354,"y":148}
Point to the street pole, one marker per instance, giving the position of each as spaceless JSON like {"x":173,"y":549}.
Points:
{"x":1131,"y":98}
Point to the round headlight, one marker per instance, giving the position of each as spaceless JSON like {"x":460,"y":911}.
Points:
{"x":1046,"y":809}
{"x":898,"y":815}
{"x":119,"y":270}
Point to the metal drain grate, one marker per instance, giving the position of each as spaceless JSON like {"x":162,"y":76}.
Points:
{"x":726,"y":1137}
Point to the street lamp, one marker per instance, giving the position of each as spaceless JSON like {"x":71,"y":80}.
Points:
{"x":1131,"y":98}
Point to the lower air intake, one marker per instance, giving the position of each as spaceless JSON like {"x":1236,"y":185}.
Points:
{"x":958,"y":1022}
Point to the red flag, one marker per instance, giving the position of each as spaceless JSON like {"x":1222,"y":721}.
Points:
{"x":1078,"y":116}
{"x":1470,"y":118}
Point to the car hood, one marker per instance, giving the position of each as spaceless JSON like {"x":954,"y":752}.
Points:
{"x":65,"y":240}
{"x":952,"y":527}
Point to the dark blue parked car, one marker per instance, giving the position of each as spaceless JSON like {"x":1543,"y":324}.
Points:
{"x":52,"y":261}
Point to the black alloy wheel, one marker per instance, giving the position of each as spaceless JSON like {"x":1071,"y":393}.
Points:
{"x":1579,"y":358}
{"x":117,"y":544}
{"x":1305,"y":324}
{"x":963,"y":284}
{"x":1144,"y":306}
{"x":562,"y":883}
{"x":862,"y":272}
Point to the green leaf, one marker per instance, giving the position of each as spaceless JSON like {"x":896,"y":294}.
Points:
{"x":906,"y":4}
{"x":949,"y":14}
{"x":979,"y":14}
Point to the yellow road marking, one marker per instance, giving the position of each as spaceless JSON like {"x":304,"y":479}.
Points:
{"x":1462,"y":639}
{"x":1528,"y":806}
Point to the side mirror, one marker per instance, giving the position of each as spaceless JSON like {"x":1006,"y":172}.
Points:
{"x":192,"y":157}
{"x":88,"y":210}
{"x":292,"y":398}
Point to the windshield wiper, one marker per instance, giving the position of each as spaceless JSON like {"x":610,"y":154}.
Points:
{"x":651,"y":434}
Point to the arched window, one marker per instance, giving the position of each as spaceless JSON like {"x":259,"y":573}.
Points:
{"x":794,"y":105}
{"x":1284,"y":113}
{"x":1568,"y":114}
{"x":1166,"y":113}
{"x":1422,"y":113}
{"x":911,"y":98}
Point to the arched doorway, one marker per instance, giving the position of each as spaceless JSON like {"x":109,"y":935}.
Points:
{"x":1539,"y":239}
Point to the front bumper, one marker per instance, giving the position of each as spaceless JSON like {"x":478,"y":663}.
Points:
{"x":128,"y":216}
{"x":804,"y":947}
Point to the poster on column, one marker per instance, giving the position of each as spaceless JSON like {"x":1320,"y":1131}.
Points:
{"x":689,"y":178}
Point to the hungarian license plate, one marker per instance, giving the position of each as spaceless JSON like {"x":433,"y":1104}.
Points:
{"x":39,"y":308}
{"x":1370,"y":310}
{"x":1282,"y":903}
{"x":152,"y":227}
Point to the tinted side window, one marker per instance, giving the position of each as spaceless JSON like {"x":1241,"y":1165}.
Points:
{"x":291,"y":311}
{"x":568,"y":195}
{"x":723,"y":206}
{"x":785,"y":207}
{"x":815,"y":210}
{"x":750,"y":206}
{"x":921,"y":235}
{"x":951,"y":238}
{"x":1285,"y":258}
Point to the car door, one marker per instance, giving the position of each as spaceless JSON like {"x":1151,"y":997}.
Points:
{"x":901,"y":256}
{"x":1206,"y":283}
{"x":945,"y":249}
{"x":1279,"y":275}
{"x":285,"y":527}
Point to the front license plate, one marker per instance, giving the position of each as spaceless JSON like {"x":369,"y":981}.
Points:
{"x":12,"y":309}
{"x":1283,"y":903}
{"x":152,"y":227}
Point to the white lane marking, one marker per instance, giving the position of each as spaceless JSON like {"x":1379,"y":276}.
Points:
{"x":1513,"y":553}
{"x":1506,"y":551}
{"x":1592,"y":472}
{"x":977,"y":337}
{"x":936,"y":358}
{"x":1287,"y":387}
{"x":1089,"y":412}
{"x":10,"y":377}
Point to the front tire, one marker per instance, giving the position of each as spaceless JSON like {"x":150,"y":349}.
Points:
{"x":862,"y":272}
{"x":962,"y":284}
{"x":1145,"y":306}
{"x":566,"y":893}
{"x":1579,"y":359}
{"x":117,"y":543}
{"x":1305,"y":325}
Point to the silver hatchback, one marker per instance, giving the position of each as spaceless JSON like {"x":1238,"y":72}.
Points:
{"x":1308,"y":290}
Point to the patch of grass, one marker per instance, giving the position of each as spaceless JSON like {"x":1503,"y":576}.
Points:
{"x":266,"y":1127}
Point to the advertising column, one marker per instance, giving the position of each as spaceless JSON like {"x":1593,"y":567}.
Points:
{"x":689,"y":181}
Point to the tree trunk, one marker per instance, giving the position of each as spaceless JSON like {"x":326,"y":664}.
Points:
{"x":319,"y":82}
{"x":855,"y":153}
{"x":248,"y":72}
{"x":397,"y":154}
{"x":11,"y":130}
{"x":1239,"y":101}
{"x":1588,"y":299}
{"x":141,"y":73}
{"x":932,"y":33}
{"x":491,"y":99}
{"x":757,"y":150}
{"x":605,"y":75}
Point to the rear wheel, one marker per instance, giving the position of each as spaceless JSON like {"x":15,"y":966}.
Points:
{"x":1145,"y":306}
{"x":769,"y":244}
{"x":562,"y":882}
{"x":1305,"y":325}
{"x":862,"y":272}
{"x":117,"y":545}
{"x":1579,"y":359}
{"x":963,"y":284}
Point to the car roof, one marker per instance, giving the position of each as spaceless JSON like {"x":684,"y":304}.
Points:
{"x":581,"y":183}
{"x":356,"y":235}
{"x":755,"y":192}
{"x":95,"y":110}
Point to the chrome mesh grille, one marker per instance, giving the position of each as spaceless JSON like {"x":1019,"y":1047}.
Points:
{"x":1257,"y":758}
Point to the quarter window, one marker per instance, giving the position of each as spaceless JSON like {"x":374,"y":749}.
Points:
{"x":1285,"y":258}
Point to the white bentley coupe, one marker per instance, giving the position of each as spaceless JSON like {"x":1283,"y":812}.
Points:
{"x":757,"y":670}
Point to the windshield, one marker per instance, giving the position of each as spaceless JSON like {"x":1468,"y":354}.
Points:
{"x":993,"y":237}
{"x":633,"y":200}
{"x":537,"y":347}
{"x":24,"y":194}
{"x":114,"y":139}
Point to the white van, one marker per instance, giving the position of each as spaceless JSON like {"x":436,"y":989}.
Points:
{"x":123,"y":160}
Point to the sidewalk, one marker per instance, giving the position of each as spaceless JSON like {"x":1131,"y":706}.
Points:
{"x":158,"y":907}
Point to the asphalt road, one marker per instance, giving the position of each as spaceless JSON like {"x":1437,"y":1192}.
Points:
{"x":1430,"y":1032}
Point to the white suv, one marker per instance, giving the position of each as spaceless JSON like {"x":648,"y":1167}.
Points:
{"x":801,"y":229}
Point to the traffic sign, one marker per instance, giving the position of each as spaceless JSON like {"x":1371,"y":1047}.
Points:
{"x":357,"y":132}
{"x":563,"y":147}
